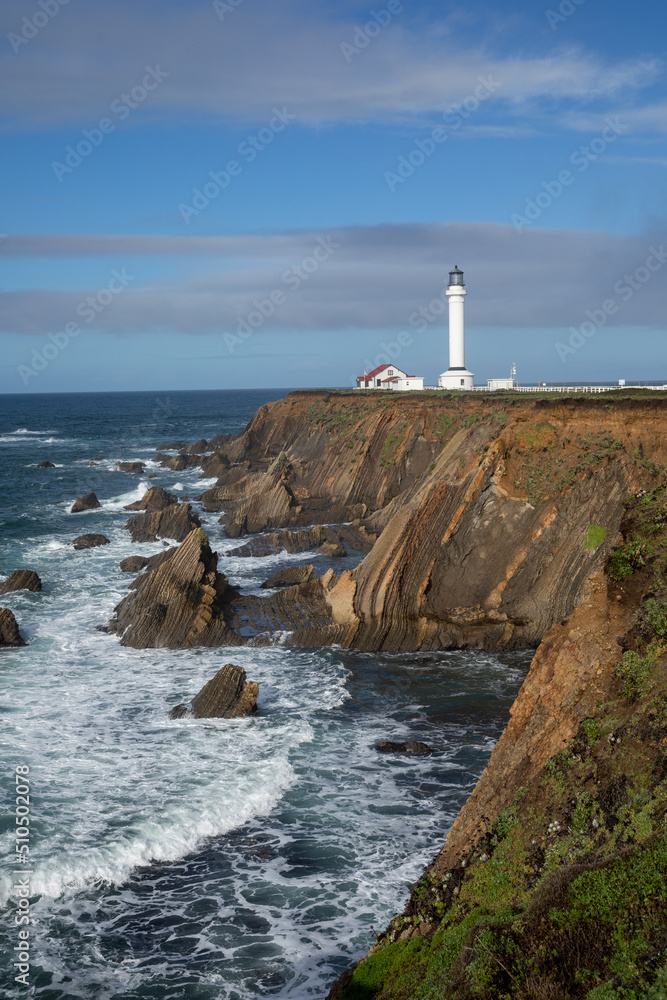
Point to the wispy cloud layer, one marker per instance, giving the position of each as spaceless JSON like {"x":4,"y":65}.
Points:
{"x":373,"y":277}
{"x":263,"y":54}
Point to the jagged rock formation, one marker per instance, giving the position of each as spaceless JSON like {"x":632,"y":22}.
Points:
{"x":227,"y":696}
{"x":179,"y":462}
{"x":179,"y":604}
{"x":90,"y":541}
{"x":214,"y":465}
{"x":491,"y":515}
{"x":173,"y":521}
{"x":355,"y":536}
{"x":87,"y":502}
{"x":45,"y":465}
{"x":134,"y":468}
{"x":154,"y":499}
{"x":9,"y":630}
{"x":292,"y":576}
{"x":21,"y":579}
{"x":198,"y":448}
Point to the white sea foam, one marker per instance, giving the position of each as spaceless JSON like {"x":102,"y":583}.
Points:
{"x":34,"y":438}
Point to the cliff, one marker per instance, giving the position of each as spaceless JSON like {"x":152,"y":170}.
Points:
{"x":553,"y":879}
{"x":491,"y":513}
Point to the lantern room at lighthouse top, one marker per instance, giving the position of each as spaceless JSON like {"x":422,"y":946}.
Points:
{"x":456,"y":277}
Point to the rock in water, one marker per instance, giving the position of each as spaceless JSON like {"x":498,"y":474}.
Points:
{"x":89,"y":502}
{"x":228,"y":696}
{"x":90,"y":541}
{"x":154,"y":499}
{"x":9,"y":630}
{"x":411,"y":746}
{"x":22,"y":579}
{"x":292,"y":576}
{"x":174,"y":521}
{"x":46,"y":465}
{"x":134,"y":564}
{"x":332,"y":550}
{"x":178,"y":605}
{"x":135,"y":468}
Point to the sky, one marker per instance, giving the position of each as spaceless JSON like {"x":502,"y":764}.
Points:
{"x":252,"y":193}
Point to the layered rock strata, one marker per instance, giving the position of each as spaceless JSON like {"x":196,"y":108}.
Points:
{"x":9,"y":629}
{"x":21,"y":579}
{"x":175,"y":521}
{"x":229,"y":695}
{"x":491,"y":515}
{"x":179,"y":604}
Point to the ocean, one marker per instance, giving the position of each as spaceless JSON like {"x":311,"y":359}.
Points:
{"x":207,"y":859}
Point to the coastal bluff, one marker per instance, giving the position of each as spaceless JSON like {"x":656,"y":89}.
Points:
{"x":484,"y":517}
{"x":487,"y":522}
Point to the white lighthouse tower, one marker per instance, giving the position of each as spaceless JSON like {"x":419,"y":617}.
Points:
{"x":457,"y":375}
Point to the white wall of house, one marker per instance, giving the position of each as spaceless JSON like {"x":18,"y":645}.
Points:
{"x":408,"y":384}
{"x":501,"y":383}
{"x":403,"y":381}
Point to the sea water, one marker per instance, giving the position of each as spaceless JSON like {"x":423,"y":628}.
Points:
{"x":208,"y":859}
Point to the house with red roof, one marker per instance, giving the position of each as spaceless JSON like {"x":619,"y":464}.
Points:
{"x":389,"y":377}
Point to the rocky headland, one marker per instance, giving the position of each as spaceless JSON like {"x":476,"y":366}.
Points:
{"x":487,"y":522}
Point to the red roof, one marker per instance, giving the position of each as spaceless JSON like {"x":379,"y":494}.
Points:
{"x":376,"y":371}
{"x":392,"y":378}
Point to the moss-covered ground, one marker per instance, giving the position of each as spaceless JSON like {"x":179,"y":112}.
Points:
{"x":566,"y":895}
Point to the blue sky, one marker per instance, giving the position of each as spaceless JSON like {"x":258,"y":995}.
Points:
{"x":242,"y":193}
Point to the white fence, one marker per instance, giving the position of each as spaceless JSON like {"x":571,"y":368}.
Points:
{"x":558,"y":388}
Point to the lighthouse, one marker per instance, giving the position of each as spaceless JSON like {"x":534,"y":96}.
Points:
{"x":457,"y":375}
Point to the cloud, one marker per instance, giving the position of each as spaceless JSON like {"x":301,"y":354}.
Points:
{"x":649,"y":119}
{"x":264,"y":54}
{"x":375,"y":277}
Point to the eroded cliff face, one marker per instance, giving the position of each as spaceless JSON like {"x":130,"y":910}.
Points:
{"x":492,"y":514}
{"x":553,"y":879}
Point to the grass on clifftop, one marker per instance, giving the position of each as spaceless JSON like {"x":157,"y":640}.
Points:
{"x":566,"y":896}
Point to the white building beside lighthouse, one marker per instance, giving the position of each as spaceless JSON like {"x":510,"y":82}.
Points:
{"x":457,"y":375}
